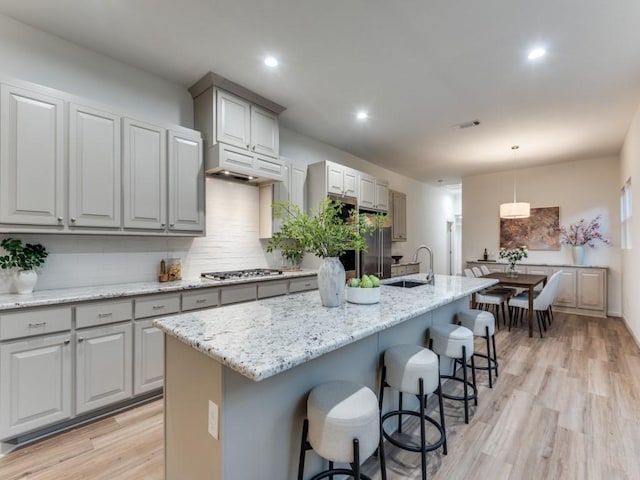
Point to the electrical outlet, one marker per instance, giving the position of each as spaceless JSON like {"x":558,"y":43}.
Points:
{"x":213,"y":420}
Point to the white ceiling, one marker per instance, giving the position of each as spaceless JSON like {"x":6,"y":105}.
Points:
{"x":417,"y":66}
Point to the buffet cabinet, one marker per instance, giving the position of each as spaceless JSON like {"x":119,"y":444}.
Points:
{"x":64,"y":364}
{"x":583,"y":289}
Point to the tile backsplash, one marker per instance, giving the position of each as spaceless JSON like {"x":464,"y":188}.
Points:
{"x":231,"y":242}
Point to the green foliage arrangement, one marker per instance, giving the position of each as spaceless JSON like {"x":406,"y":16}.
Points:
{"x":323,"y":232}
{"x":25,"y":257}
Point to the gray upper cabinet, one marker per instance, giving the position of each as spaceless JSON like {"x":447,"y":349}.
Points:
{"x":95,"y":171}
{"x":233,"y":124}
{"x":144,"y":175}
{"x":31,"y":157}
{"x":374,"y":193}
{"x":186,"y":182}
{"x":265,"y":134}
{"x":341,"y":180}
{"x":245,"y":125}
{"x":398,"y":216}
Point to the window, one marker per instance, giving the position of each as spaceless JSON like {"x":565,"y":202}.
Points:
{"x":625,"y":215}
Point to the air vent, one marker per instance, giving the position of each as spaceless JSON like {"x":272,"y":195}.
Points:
{"x":469,"y":124}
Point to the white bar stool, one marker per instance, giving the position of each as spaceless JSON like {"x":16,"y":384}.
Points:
{"x":456,"y":342}
{"x":342,"y":426}
{"x":482,"y":324}
{"x":414,"y":370}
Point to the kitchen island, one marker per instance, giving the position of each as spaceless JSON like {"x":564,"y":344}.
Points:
{"x":236,"y":378}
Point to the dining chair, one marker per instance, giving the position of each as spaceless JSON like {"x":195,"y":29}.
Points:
{"x":490,"y":298}
{"x":541,"y":303}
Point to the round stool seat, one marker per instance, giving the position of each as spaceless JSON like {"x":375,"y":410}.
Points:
{"x":477,"y":321}
{"x":406,"y":364}
{"x":338,"y":412}
{"x":448,"y":340}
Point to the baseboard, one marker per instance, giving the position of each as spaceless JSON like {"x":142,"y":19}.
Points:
{"x":633,"y":334}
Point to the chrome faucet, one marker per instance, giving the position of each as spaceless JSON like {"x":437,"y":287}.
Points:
{"x":431,"y":279}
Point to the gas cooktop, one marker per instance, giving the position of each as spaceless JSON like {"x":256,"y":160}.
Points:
{"x":237,"y":274}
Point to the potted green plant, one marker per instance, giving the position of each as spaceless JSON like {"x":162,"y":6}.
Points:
{"x":325,"y":234}
{"x":25,"y":258}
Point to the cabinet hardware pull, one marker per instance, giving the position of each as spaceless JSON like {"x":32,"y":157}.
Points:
{"x":171,"y":224}
{"x":37,"y":325}
{"x":158,"y":307}
{"x":60,"y":219}
{"x":80,"y":339}
{"x":201,"y":300}
{"x":67,"y":341}
{"x":307,"y":284}
{"x":253,"y":148}
{"x":103,"y":315}
{"x":73,"y":219}
{"x":247,"y":146}
{"x":162,"y":224}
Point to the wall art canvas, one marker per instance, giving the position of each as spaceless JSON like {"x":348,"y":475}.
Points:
{"x":538,"y":232}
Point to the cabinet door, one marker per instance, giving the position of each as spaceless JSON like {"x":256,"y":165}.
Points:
{"x":95,"y":160}
{"x":382,"y":196}
{"x":31,"y":158}
{"x":186,"y":183}
{"x":567,"y":291}
{"x":297,"y":185}
{"x":145,"y":167}
{"x":367,"y":197}
{"x":35,"y":383}
{"x":350,"y":183}
{"x":233,"y":120}
{"x":591,"y":293}
{"x":103,"y":366}
{"x":265,"y":136}
{"x":149,"y":357}
{"x":399,"y":220}
{"x":335,"y":179}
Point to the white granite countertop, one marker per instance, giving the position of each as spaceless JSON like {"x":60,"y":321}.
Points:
{"x":101,"y":292}
{"x":260,"y":339}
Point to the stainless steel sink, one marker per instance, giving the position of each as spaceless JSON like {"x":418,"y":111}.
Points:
{"x":406,"y":283}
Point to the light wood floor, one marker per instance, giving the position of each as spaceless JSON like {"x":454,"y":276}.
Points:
{"x":565,"y":407}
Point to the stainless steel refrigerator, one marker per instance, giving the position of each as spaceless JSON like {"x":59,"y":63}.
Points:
{"x":377,"y":259}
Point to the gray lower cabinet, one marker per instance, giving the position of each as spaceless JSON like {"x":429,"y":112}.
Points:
{"x":35,"y":383}
{"x":103,"y":366}
{"x":148,"y":362}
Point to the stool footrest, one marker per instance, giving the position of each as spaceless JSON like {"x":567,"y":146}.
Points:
{"x":492,"y":362}
{"x":412,"y":448}
{"x":338,"y":471}
{"x":472,"y":396}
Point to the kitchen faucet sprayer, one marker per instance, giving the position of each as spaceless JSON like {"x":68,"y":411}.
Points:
{"x":431,"y":279}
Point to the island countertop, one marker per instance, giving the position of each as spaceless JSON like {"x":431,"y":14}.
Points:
{"x":263,"y":338}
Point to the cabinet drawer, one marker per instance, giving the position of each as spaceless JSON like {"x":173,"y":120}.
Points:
{"x":102,"y":313}
{"x":302,"y":284}
{"x":34,"y":322}
{"x":157,"y":305}
{"x":201,"y":299}
{"x":272,"y":289}
{"x":400,"y":271}
{"x":237,"y":293}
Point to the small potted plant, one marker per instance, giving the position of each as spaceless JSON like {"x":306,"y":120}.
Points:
{"x":25,"y":258}
{"x":325,"y":234}
{"x":513,"y":255}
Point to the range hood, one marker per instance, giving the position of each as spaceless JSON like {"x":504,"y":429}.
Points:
{"x":235,"y":164}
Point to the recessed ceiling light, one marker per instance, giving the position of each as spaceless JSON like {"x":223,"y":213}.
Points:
{"x":536,"y":53}
{"x":271,"y":62}
{"x":362,"y":115}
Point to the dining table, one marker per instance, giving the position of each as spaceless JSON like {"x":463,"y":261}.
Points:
{"x":521,"y":280}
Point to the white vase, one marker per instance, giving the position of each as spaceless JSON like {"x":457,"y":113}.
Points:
{"x":331,"y":282}
{"x":577,"y":253}
{"x":24,"y":281}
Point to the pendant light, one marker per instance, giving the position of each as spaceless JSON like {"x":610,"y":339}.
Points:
{"x":515,"y":209}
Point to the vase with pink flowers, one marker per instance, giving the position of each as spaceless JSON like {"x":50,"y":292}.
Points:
{"x":581,"y":233}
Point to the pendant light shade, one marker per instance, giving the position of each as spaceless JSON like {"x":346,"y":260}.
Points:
{"x":515,"y":209}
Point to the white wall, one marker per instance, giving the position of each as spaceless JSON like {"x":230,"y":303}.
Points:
{"x":30,"y":54}
{"x":630,"y":168}
{"x":428,"y":208}
{"x":581,"y":189}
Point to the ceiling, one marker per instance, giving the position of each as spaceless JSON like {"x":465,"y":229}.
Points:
{"x":418,"y":67}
